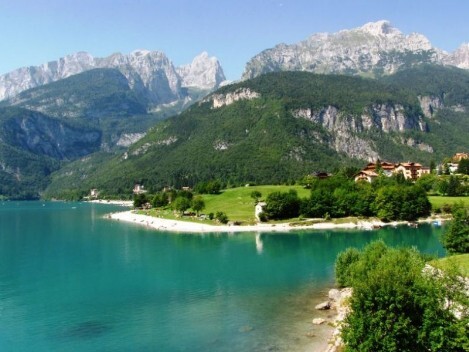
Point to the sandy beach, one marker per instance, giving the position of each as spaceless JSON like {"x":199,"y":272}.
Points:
{"x":124,"y":203}
{"x":185,"y":226}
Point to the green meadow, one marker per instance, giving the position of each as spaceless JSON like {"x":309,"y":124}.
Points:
{"x":460,"y":262}
{"x":439,"y":201}
{"x":238,"y":204}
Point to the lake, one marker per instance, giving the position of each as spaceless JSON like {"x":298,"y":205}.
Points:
{"x":72,"y":280}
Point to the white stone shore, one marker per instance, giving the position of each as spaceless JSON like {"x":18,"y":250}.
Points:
{"x":124,"y":203}
{"x":161,"y":224}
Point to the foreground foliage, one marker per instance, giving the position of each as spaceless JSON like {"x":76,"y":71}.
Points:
{"x":399,"y":306}
{"x":456,"y":238}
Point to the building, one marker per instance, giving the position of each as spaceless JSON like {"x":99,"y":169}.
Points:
{"x":385,"y":167}
{"x":458,"y":156}
{"x":139,"y":189}
{"x":94,"y":193}
{"x":366,"y":175}
{"x":410,"y":170}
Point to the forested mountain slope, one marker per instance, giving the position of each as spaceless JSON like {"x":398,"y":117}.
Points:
{"x":281,"y":126}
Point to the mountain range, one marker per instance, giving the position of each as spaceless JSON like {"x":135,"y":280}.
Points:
{"x":82,"y":122}
{"x":373,"y":50}
{"x":150,"y":73}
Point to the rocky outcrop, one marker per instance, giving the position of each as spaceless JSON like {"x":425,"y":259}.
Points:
{"x":460,"y":57}
{"x":346,"y":129}
{"x":42,"y":135}
{"x":219,"y":100}
{"x":204,"y":73}
{"x":149,"y":73}
{"x":430,"y":105}
{"x":373,"y":49}
{"x":128,"y":139}
{"x":340,"y":302}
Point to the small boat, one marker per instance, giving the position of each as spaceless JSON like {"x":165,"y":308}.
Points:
{"x":436,"y":223}
{"x":413,"y":225}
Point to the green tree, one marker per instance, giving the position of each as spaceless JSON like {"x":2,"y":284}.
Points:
{"x":343,"y":266}
{"x":221,"y":217}
{"x":282,"y":205}
{"x":319,"y":204}
{"x":139,"y":200}
{"x":256,"y":195}
{"x":160,"y":200}
{"x":432,"y":166}
{"x":454,"y":187}
{"x":197,"y":204}
{"x":456,"y":238}
{"x":181,"y":204}
{"x":397,"y":306}
{"x":463,"y":166}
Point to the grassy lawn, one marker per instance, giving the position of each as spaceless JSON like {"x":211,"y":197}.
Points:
{"x":439,"y":201}
{"x":238,"y":204}
{"x":461,"y":261}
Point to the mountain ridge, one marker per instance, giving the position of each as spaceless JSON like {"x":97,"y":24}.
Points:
{"x":376,"y":48}
{"x":151,"y":71}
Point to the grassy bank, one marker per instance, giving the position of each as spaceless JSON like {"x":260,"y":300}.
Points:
{"x":236,"y":203}
{"x":461,"y":262}
{"x":439,"y":201}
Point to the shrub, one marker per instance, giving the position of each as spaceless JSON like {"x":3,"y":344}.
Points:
{"x":343,"y":266}
{"x":221,"y":217}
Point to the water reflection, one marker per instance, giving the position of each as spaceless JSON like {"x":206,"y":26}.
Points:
{"x":259,"y":243}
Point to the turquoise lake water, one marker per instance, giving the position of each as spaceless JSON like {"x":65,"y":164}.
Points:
{"x":71,"y":280}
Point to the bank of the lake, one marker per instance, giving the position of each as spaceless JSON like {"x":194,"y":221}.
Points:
{"x":71,"y":280}
{"x":171,"y":225}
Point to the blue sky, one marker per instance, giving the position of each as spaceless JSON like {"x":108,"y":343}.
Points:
{"x":37,"y":31}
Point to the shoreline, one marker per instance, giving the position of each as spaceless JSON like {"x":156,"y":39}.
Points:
{"x":168,"y":225}
{"x":124,"y":203}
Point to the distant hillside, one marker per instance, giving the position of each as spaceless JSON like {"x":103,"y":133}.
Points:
{"x":32,"y":145}
{"x":282,"y":126}
{"x":45,"y":127}
{"x":90,"y":95}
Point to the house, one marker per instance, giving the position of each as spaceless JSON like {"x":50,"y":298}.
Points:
{"x":410,"y":170}
{"x":366,"y":175}
{"x":458,"y":156}
{"x":94,"y":193}
{"x":139,"y":189}
{"x":385,"y":167}
{"x":321,"y":174}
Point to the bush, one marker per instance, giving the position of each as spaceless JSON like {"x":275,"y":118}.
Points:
{"x":140,"y":200}
{"x":456,"y":238}
{"x":263,"y":217}
{"x":395,"y":306}
{"x":282,"y":205}
{"x":221,"y":217}
{"x":343,"y":266}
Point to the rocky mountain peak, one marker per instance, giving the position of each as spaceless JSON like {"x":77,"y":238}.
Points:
{"x":204,"y":72}
{"x":382,"y":27}
{"x":149,"y":72}
{"x":460,"y":57}
{"x":376,"y":48}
